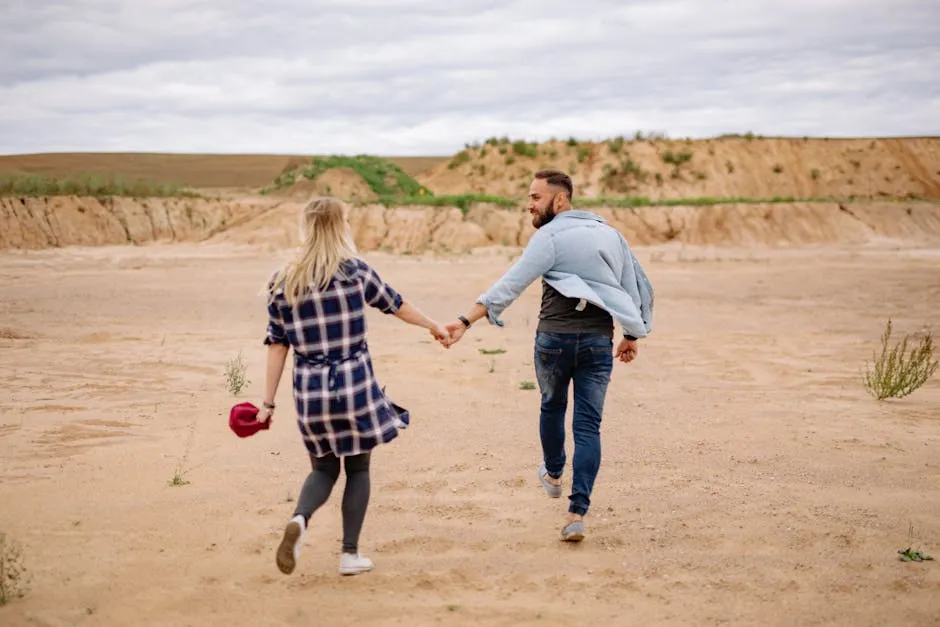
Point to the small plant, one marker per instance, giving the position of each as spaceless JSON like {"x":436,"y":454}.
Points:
{"x":676,"y":159}
{"x":459,"y":159}
{"x":895,"y":372}
{"x":235,"y":377}
{"x":525,"y":149}
{"x":814,"y":174}
{"x":492,"y":351}
{"x":178,"y":478}
{"x":12,"y":570}
{"x":526,"y":385}
{"x":911,"y":554}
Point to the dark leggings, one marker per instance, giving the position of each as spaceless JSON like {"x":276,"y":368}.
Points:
{"x":319,"y":484}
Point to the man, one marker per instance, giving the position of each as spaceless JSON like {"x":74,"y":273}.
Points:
{"x":589,"y":279}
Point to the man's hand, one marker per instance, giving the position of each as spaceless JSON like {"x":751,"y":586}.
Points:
{"x":440,"y":333}
{"x":455,"y":330}
{"x":626,"y":350}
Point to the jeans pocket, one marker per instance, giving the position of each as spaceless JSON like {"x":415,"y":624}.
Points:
{"x":547,"y":364}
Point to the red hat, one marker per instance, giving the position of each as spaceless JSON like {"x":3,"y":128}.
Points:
{"x":242,"y":420}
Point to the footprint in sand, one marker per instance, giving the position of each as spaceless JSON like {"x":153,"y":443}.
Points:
{"x":84,"y":434}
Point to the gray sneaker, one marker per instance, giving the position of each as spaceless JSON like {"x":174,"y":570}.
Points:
{"x":573,"y":532}
{"x":553,"y":491}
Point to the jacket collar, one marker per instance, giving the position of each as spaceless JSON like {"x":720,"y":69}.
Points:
{"x":580,"y":214}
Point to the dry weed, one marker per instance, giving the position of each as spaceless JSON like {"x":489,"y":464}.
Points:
{"x":897,"y":372}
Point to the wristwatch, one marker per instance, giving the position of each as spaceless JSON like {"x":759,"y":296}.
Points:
{"x":463,"y":319}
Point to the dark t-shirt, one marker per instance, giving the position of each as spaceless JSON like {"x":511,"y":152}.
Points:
{"x":558,"y":315}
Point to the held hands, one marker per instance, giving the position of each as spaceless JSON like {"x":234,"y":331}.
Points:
{"x":439,"y":332}
{"x":448,"y":334}
{"x":456,"y":329}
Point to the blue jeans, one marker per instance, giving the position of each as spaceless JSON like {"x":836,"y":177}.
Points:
{"x":587,"y":359}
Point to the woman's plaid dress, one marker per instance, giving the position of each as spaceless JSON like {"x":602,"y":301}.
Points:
{"x":340,"y":407}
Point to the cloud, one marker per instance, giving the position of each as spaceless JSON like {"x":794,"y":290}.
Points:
{"x":421,"y":77}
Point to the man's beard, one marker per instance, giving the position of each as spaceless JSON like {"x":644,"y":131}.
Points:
{"x":542,"y":219}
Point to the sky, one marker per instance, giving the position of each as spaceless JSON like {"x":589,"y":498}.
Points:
{"x":416,"y":77}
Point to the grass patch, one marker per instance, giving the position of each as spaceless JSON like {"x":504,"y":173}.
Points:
{"x":89,"y":185}
{"x":492,"y":351}
{"x":641,"y":201}
{"x":461,"y":201}
{"x":382,"y":176}
{"x":895,"y":372}
{"x":179,"y":478}
{"x":465,"y":201}
{"x":527,"y":385}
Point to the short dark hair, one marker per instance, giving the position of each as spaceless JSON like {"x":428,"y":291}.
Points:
{"x":557,"y":178}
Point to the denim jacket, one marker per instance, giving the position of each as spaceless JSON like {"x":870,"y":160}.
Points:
{"x":582,"y":257}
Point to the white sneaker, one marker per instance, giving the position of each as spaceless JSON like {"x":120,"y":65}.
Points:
{"x":350,"y":564}
{"x":291,"y":543}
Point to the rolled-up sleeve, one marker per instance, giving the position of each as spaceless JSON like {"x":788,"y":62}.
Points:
{"x":275,"y":333}
{"x":537,"y":259}
{"x":378,"y":293}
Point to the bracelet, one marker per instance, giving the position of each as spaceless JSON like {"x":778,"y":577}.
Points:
{"x":463,"y":319}
{"x":267,"y":405}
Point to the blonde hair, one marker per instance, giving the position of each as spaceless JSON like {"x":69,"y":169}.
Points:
{"x":325,"y":244}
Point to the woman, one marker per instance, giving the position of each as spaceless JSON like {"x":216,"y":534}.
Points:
{"x":317,"y":306}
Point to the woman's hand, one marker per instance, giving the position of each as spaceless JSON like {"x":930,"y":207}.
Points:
{"x":439,"y":332}
{"x":265,"y":414}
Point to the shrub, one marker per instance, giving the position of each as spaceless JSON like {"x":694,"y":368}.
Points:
{"x":525,"y":149}
{"x":235,"y":375}
{"x":895,"y":372}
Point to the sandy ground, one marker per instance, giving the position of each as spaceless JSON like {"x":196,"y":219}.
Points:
{"x":747,"y":476}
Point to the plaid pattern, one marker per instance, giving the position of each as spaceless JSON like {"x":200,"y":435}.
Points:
{"x":340,"y":406}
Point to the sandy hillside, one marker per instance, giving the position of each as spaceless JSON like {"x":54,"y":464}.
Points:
{"x":33,"y":223}
{"x":747,"y":476}
{"x":719,"y":168}
{"x":727,"y":167}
